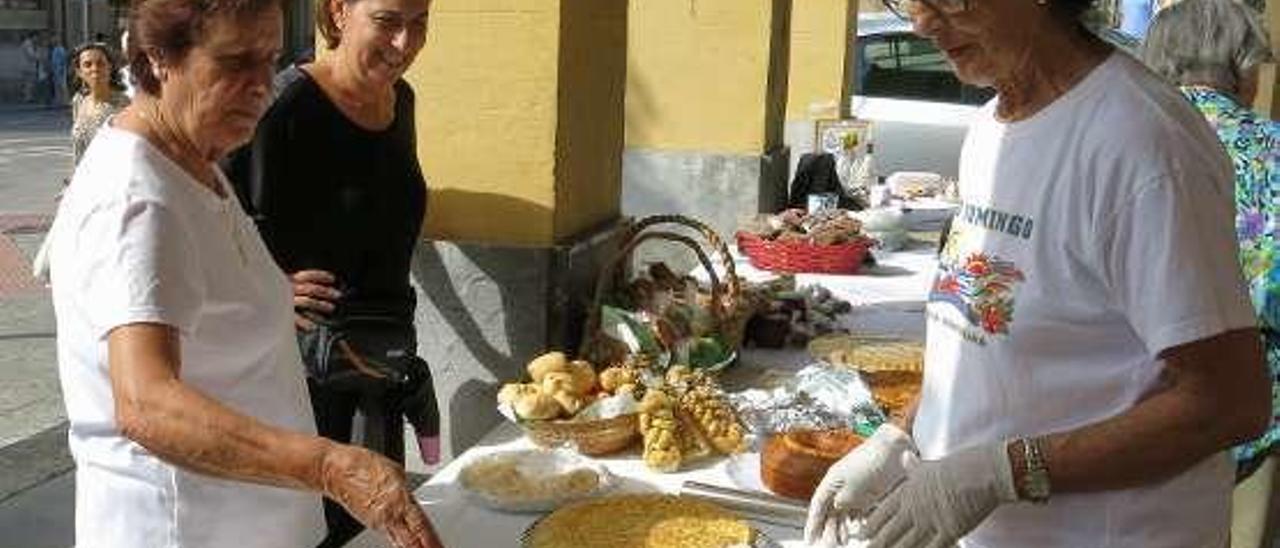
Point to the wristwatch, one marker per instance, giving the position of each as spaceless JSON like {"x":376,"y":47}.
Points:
{"x":1035,"y":475}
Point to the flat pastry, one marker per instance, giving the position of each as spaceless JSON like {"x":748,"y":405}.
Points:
{"x":869,"y":354}
{"x":640,"y":521}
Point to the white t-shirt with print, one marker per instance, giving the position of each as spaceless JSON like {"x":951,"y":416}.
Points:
{"x":137,"y":240}
{"x":1092,"y":236}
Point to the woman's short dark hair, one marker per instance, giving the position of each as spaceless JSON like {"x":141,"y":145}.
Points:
{"x":73,"y":76}
{"x":170,"y":28}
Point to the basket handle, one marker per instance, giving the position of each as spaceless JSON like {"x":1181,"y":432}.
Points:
{"x":733,"y":289}
{"x":608,"y":274}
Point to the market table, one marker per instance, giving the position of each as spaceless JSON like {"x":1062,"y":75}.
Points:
{"x":887,"y":299}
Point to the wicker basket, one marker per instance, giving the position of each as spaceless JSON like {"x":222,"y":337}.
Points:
{"x":801,"y":256}
{"x":728,"y":308}
{"x":596,"y":437}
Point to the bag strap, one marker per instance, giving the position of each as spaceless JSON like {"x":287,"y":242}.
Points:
{"x":358,"y":362}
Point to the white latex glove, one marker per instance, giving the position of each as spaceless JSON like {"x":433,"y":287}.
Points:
{"x":942,"y":500}
{"x":857,"y":482}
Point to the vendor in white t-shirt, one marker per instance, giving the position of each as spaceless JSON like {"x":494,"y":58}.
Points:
{"x":189,"y":418}
{"x":1091,"y":350}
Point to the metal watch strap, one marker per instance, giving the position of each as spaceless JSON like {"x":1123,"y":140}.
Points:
{"x":1035,"y":476}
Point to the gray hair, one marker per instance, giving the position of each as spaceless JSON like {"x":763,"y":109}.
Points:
{"x":1206,"y":42}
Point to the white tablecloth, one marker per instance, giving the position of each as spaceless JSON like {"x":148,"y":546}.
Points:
{"x":887,"y":299}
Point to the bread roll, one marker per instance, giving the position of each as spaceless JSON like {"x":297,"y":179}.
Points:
{"x":538,"y":406}
{"x":547,"y":363}
{"x":513,"y":391}
{"x":584,"y":377}
{"x":558,"y":381}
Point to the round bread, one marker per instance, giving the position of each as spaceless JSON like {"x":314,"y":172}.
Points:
{"x":794,"y":463}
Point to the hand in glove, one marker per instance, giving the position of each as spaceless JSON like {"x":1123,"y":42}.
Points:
{"x":856,"y":482}
{"x":374,"y":490}
{"x":942,"y":500}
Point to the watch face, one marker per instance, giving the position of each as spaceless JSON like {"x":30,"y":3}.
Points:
{"x":1038,"y":485}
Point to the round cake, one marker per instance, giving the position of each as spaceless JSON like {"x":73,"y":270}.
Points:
{"x":640,"y":521}
{"x":794,"y":463}
{"x":893,"y":390}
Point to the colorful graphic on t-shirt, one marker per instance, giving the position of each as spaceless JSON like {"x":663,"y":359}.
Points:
{"x":979,"y":285}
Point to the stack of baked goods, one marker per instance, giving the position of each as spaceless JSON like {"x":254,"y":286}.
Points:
{"x":828,"y":227}
{"x":829,"y":241}
{"x":681,"y":415}
{"x":793,"y":463}
{"x":640,"y":521}
{"x":687,"y":418}
{"x":791,"y":316}
{"x":892,"y":368}
{"x":567,"y":402}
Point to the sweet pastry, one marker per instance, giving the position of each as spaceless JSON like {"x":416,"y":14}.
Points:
{"x":558,"y":381}
{"x":550,"y":362}
{"x":537,"y":406}
{"x":893,"y":390}
{"x":658,"y":427}
{"x":867,"y":354}
{"x":794,"y":463}
{"x":613,"y":378}
{"x":584,"y":376}
{"x":640,"y":521}
{"x":511,"y":392}
{"x":715,"y":419}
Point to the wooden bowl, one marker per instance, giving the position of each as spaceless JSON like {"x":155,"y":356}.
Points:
{"x":794,"y":463}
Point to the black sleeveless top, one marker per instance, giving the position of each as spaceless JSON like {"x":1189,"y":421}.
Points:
{"x":327,"y":194}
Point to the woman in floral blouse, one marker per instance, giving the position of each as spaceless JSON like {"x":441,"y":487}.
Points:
{"x":1212,"y":50}
{"x":98,"y":94}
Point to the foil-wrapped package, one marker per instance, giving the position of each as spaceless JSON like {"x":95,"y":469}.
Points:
{"x":818,"y":397}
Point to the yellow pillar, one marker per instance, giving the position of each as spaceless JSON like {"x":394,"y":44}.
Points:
{"x":699,"y":74}
{"x":822,"y":57}
{"x":705,"y":105}
{"x":520,"y":136}
{"x":520,"y":118}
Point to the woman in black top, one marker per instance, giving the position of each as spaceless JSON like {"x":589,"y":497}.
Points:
{"x":333,"y":181}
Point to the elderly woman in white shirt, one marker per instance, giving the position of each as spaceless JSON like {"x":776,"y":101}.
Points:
{"x":189,"y":418}
{"x":1091,"y":352}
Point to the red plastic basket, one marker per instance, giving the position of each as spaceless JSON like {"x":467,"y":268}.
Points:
{"x":798,"y":256}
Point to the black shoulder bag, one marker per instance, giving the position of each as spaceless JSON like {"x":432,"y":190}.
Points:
{"x":370,"y":351}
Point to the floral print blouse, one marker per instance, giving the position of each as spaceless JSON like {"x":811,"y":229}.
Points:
{"x":1253,"y":142}
{"x":88,"y":115}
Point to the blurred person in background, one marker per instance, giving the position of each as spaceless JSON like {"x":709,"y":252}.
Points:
{"x":96,"y":94}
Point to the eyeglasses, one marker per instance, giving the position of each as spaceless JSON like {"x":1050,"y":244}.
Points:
{"x":902,"y":8}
